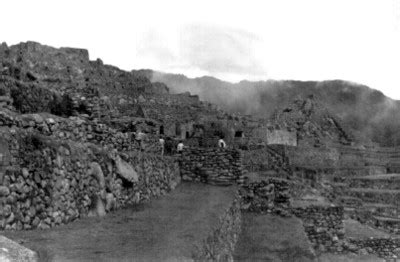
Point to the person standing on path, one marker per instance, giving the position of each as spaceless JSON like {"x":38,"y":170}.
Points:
{"x":221,"y":143}
{"x":139,"y":136}
{"x":162,"y":144}
{"x":180,"y":147}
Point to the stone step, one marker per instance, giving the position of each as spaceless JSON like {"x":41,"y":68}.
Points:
{"x":389,"y":224}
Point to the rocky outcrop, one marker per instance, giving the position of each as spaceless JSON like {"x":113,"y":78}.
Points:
{"x":125,"y":170}
{"x":11,"y":251}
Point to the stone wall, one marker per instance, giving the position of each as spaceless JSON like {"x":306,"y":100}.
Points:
{"x":55,"y":182}
{"x":281,"y":137}
{"x":387,"y":248}
{"x":79,"y":130}
{"x":324,"y":226}
{"x":267,"y":196}
{"x":265,"y":158}
{"x":212,"y":165}
{"x":312,"y":157}
{"x":220,"y":244}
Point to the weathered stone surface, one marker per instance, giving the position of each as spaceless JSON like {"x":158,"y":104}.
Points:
{"x":13,"y":252}
{"x":126,"y":170}
{"x":4,"y":191}
{"x":54,"y":183}
{"x":212,"y":165}
{"x":95,"y":170}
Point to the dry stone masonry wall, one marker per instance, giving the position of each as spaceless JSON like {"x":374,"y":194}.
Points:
{"x":265,"y":158}
{"x":267,"y":196}
{"x":324,"y":226}
{"x":212,"y":165}
{"x":220,"y":244}
{"x":53,"y":183}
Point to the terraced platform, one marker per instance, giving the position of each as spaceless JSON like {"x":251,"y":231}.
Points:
{"x":168,"y":229}
{"x":272,"y":238}
{"x":373,"y":195}
{"x":375,"y":191}
{"x":378,"y":181}
{"x":378,"y":177}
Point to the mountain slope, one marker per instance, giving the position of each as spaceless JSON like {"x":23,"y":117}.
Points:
{"x":368,"y":112}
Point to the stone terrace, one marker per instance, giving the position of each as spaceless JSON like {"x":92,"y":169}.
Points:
{"x":177,"y":227}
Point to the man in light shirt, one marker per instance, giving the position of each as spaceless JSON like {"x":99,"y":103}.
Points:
{"x":162,"y":143}
{"x":179,"y":148}
{"x":221,"y":143}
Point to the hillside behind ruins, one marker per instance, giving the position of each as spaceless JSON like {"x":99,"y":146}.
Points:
{"x":368,"y":112}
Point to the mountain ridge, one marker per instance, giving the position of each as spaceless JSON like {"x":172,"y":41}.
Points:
{"x":368,"y":112}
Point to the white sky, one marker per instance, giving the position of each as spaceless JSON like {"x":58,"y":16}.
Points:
{"x":355,"y":40}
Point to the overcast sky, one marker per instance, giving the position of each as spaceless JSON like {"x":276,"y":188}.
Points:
{"x":355,"y":40}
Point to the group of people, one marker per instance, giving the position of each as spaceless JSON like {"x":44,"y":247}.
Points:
{"x":139,"y":137}
{"x":180,"y":146}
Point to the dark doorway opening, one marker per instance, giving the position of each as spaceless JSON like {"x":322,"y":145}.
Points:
{"x":239,"y":134}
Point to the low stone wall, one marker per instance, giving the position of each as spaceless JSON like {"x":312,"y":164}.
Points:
{"x":367,"y":195}
{"x":220,"y":244}
{"x":384,"y":217}
{"x":55,"y":182}
{"x":212,"y":165}
{"x":264,"y":158}
{"x":79,"y":130}
{"x":390,"y":182}
{"x":267,"y":196}
{"x":324,"y":226}
{"x":388,"y":248}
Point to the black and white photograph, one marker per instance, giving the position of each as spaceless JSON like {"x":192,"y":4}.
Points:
{"x":213,"y":130}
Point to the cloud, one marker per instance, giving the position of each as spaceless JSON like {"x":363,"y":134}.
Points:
{"x":203,"y":49}
{"x":220,"y":50}
{"x":155,"y":48}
